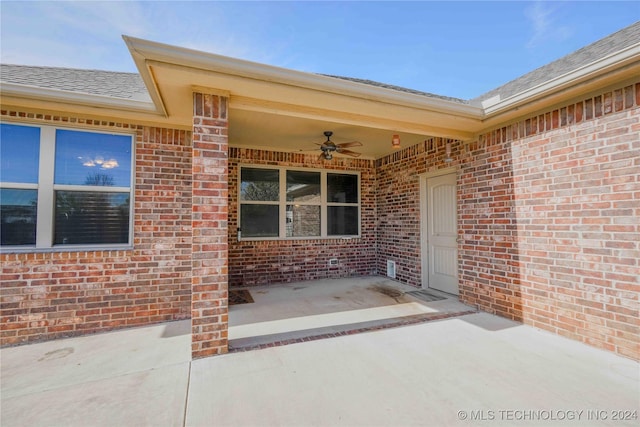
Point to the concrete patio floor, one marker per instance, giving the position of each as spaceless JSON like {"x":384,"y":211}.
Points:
{"x":475,"y":369}
{"x":286,"y":313}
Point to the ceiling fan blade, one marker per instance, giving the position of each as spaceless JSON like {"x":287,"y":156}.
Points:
{"x":321,"y":156}
{"x":348,"y":152}
{"x":350,"y":144}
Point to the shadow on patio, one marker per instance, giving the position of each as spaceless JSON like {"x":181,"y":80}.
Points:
{"x":304,"y":311}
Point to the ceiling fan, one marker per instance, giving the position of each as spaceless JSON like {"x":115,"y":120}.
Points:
{"x":329,"y":147}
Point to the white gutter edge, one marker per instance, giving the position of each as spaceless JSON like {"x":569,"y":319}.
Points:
{"x":56,"y":95}
{"x":626,"y":55}
{"x":143,"y":50}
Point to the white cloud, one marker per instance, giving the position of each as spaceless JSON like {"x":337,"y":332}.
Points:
{"x":231,"y":29}
{"x":70,"y":34}
{"x":87,"y":34}
{"x":98,"y":19}
{"x":546,"y":29}
{"x":99,"y":161}
{"x":110,"y":164}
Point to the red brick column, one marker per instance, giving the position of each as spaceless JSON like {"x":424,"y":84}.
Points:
{"x":209,"y":284}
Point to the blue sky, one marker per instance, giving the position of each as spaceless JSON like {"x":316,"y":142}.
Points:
{"x":459,"y":49}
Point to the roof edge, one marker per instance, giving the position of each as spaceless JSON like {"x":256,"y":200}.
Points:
{"x":145,"y":50}
{"x":593,"y":70}
{"x":57,"y":95}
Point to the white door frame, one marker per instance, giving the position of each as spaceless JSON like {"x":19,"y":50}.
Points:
{"x":424,"y":245}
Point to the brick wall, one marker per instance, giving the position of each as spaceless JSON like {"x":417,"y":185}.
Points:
{"x":398,"y":204}
{"x":54,"y":294}
{"x":275,"y":261}
{"x":209,"y":290}
{"x":550,"y":218}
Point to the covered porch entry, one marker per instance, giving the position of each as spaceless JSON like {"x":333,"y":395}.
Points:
{"x":248,"y":116}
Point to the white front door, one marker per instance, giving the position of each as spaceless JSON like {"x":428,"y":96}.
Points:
{"x":442,"y":233}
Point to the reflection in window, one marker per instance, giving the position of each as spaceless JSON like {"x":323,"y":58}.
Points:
{"x":259,"y":184}
{"x":98,"y":160}
{"x":342,"y":188}
{"x":86,"y":158}
{"x":342,"y":220}
{"x":303,"y":186}
{"x":79,"y":182}
{"x":19,"y":167}
{"x":303,"y":220}
{"x":19,"y":153}
{"x":84,"y":217}
{"x":259,"y":220}
{"x":18,"y":209}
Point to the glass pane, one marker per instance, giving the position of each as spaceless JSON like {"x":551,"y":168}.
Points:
{"x":84,"y":217}
{"x":19,"y":153}
{"x":303,"y":186}
{"x":259,"y":220}
{"x":342,"y":220}
{"x":303,"y":221}
{"x":87,"y":158}
{"x":18,"y":215}
{"x":260,"y":185}
{"x":342,"y":188}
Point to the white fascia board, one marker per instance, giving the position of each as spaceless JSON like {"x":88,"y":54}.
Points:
{"x":145,"y":74}
{"x":56,"y":95}
{"x":144,"y":50}
{"x":589,"y":71}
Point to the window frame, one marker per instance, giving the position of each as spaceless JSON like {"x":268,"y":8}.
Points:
{"x":46,"y":188}
{"x":283,"y":203}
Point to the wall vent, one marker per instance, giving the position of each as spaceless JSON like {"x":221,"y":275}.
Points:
{"x":391,"y":269}
{"x":333,"y":262}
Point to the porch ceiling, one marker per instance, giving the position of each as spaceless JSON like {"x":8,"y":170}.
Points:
{"x":251,"y":129}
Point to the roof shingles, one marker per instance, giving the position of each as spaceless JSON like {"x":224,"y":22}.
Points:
{"x":398,"y":88}
{"x":93,"y":82}
{"x":611,"y":44}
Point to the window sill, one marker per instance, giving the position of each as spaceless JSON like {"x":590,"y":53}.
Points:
{"x":296,"y":239}
{"x":65,"y":248}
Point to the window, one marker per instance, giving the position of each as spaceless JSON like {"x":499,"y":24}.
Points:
{"x":62,"y":187}
{"x":261,"y":188}
{"x":303,"y":204}
{"x":19,"y":162}
{"x":291,"y":203}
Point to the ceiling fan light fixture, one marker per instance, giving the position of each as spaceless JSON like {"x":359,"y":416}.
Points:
{"x":395,"y":141}
{"x":328,"y":147}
